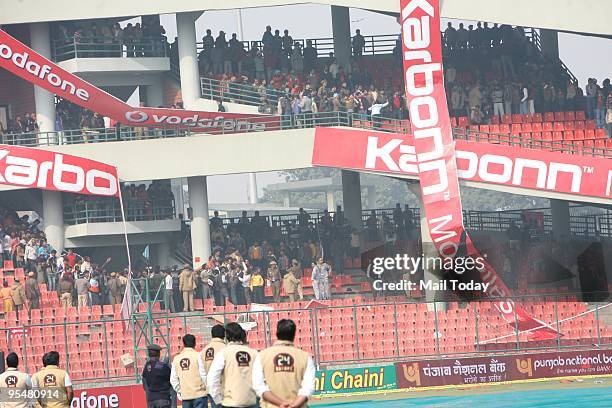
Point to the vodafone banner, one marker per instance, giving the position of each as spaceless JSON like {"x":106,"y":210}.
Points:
{"x":36,"y":168}
{"x":26,"y":63}
{"x":123,"y":396}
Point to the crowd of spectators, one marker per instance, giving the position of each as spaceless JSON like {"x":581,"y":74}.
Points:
{"x":141,"y":203}
{"x":104,"y":38}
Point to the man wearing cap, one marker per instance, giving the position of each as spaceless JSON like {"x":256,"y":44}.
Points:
{"x":156,"y":379}
{"x":113,"y":289}
{"x":188,"y":376}
{"x":230,"y":374}
{"x":16,"y":381}
{"x":275,"y":280}
{"x":32,"y":291}
{"x":212,"y":349}
{"x":187,"y":285}
{"x":284,"y":375}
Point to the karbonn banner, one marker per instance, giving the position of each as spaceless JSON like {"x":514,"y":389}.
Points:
{"x":435,"y":151}
{"x":478,"y":162}
{"x":36,"y":168}
{"x":38,"y":70}
{"x":482,"y":370}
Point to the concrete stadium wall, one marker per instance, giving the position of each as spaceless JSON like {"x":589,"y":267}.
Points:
{"x":590,"y":16}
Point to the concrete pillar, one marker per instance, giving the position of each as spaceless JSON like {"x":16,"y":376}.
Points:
{"x":549,"y":40}
{"x":155,"y":95}
{"x":176,"y":185}
{"x":53,"y":217}
{"x":200,"y":227}
{"x":341,"y":28}
{"x":286,"y":199}
{"x":371,"y":197}
{"x":44,"y":100}
{"x":559,"y":210}
{"x":329,"y":200}
{"x":188,"y":57}
{"x":162,"y":255}
{"x":252,"y":188}
{"x":429,"y":250}
{"x":351,"y":197}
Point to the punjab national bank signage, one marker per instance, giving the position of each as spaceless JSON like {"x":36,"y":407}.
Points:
{"x":483,"y":370}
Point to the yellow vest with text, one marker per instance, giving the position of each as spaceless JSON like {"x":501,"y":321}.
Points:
{"x":15,"y":380}
{"x":210,"y":351}
{"x":238,"y":376}
{"x":188,"y":372}
{"x":284,"y":366}
{"x":52,"y":378}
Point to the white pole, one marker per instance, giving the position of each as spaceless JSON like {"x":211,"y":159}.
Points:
{"x":240,"y":29}
{"x":252,"y":188}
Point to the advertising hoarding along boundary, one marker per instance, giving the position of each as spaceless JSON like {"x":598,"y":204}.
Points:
{"x":35,"y":168}
{"x":26,"y":63}
{"x":483,"y":370}
{"x":435,"y":153}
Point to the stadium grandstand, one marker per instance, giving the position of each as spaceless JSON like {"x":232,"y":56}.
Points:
{"x":115,"y":122}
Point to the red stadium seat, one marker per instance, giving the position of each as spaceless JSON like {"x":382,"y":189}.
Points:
{"x":463,"y":121}
{"x":536,"y":127}
{"x":578,"y":134}
{"x":589,"y":143}
{"x":517,"y":118}
{"x":568,"y":125}
{"x":580,"y":115}
{"x":516,"y":128}
{"x":579,"y":125}
{"x":590,"y":124}
{"x":537,"y":117}
{"x":547,"y":135}
{"x":559,"y":116}
{"x":568,"y":135}
{"x":600,"y":133}
{"x":504,"y":128}
{"x":558,"y":127}
{"x":547,"y":127}
{"x":549,"y":117}
{"x":527,"y":118}
{"x":570,"y":116}
{"x":589,"y":134}
{"x":527,"y":127}
{"x":494,"y":128}
{"x":536,"y":136}
{"x":507,"y":119}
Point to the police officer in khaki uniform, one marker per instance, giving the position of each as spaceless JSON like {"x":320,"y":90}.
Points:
{"x":212,"y":349}
{"x":230,"y":375}
{"x":55,"y":381}
{"x":284,"y":375}
{"x":13,"y":384}
{"x":188,"y":376}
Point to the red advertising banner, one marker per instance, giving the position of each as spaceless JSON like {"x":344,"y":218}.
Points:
{"x":26,"y":63}
{"x":36,"y":168}
{"x":484,"y":162}
{"x":482,"y":370}
{"x":124,"y":396}
{"x":434,"y":150}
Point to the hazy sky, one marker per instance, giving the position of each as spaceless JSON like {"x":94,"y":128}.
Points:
{"x":585,"y":56}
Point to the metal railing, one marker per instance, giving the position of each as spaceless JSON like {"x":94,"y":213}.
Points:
{"x":374,"y":44}
{"x":108,"y":47}
{"x":349,"y":331}
{"x":534,"y":36}
{"x":110,"y":211}
{"x":218,"y":126}
{"x":238,"y":93}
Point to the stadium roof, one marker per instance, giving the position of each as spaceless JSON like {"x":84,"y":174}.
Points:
{"x":582,"y":16}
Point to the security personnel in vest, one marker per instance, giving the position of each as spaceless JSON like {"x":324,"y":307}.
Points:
{"x":14,"y":385}
{"x":212,"y":349}
{"x":188,"y":376}
{"x":55,"y":381}
{"x":284,"y":375}
{"x":230,"y":375}
{"x":156,"y":379}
